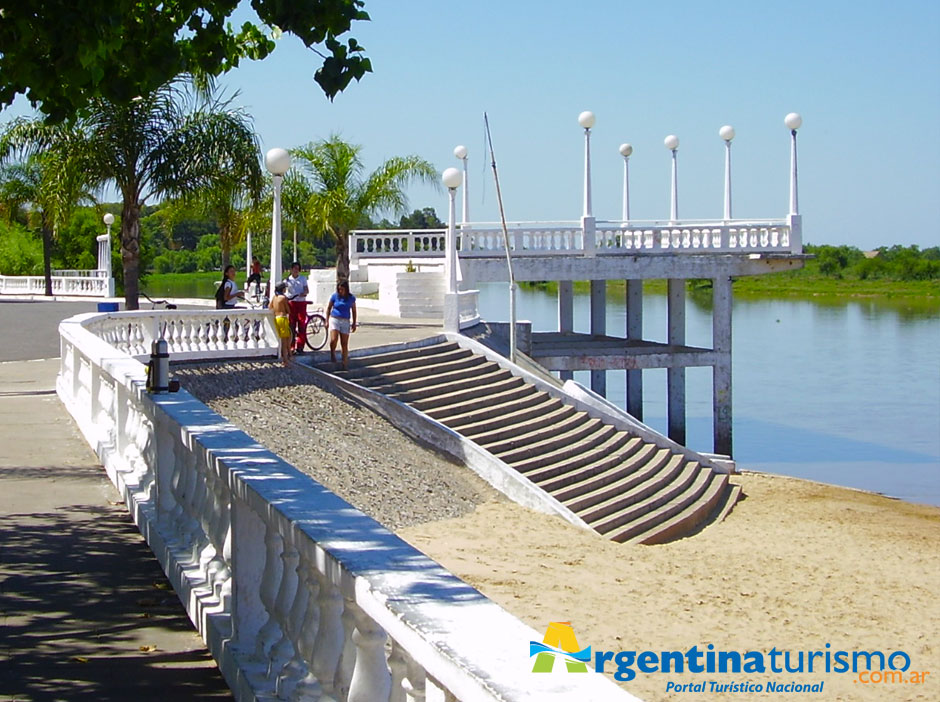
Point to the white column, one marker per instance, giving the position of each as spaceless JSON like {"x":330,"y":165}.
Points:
{"x":566,"y":314}
{"x":586,"y":120}
{"x":461,"y":153}
{"x":672,"y":143}
{"x":721,"y":374}
{"x":635,"y":333}
{"x":727,"y":133}
{"x":599,"y":328}
{"x":675,"y":377}
{"x":276,"y":238}
{"x":451,"y":178}
{"x":248,"y":254}
{"x":793,"y":122}
{"x":625,"y":151}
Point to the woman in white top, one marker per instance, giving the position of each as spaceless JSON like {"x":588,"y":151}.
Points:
{"x":229,"y":292}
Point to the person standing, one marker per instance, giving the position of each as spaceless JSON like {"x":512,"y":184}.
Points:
{"x":297,"y":295}
{"x":255,"y":277}
{"x":341,"y":311}
{"x":228,"y":293}
{"x":280,"y":308}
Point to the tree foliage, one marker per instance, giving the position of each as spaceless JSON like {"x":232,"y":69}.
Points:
{"x":63,"y":54}
{"x":342,"y":195}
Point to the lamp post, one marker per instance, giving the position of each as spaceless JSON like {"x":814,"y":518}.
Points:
{"x":586,"y":119}
{"x":451,"y":178}
{"x":277,"y":161}
{"x":727,"y":133}
{"x":626,"y":150}
{"x":793,"y":121}
{"x":104,"y":254}
{"x":672,"y":143}
{"x":460,"y":153}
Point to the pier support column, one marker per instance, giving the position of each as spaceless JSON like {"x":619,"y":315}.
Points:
{"x":599,"y":328}
{"x":721,"y":374}
{"x":566,"y":314}
{"x":675,"y":377}
{"x":635,"y":332}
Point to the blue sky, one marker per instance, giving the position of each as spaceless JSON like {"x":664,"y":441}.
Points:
{"x":864,"y":75}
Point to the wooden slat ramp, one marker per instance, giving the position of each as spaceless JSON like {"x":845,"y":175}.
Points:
{"x":623,"y":486}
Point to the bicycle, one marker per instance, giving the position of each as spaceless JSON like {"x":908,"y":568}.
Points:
{"x":317,"y":329}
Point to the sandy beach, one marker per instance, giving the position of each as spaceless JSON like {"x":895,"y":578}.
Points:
{"x":795,"y":566}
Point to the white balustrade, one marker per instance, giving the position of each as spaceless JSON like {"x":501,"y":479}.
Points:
{"x":91,"y":283}
{"x":611,"y":238}
{"x":298,"y":595}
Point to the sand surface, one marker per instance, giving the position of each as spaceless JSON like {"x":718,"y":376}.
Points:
{"x":795,"y":566}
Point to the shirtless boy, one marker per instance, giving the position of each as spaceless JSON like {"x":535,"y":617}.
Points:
{"x":281,"y":309}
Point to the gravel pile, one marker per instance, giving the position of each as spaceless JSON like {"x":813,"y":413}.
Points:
{"x":346,"y":447}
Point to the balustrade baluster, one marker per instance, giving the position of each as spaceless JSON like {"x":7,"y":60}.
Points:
{"x":302,"y":683}
{"x":329,"y":643}
{"x":371,"y":679}
{"x":398,"y":665}
{"x":347,"y":661}
{"x":283,"y":649}
{"x":270,"y":631}
{"x":415,"y":682}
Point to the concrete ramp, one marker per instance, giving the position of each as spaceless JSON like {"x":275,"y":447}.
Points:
{"x":623,"y":483}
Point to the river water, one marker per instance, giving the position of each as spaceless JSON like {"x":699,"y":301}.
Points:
{"x":843,"y":391}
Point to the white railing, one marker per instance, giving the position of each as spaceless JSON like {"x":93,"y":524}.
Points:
{"x":609,"y":238}
{"x":190,"y":334}
{"x":297,"y":594}
{"x":468,"y":308}
{"x":83,"y":283}
{"x":397,"y":243}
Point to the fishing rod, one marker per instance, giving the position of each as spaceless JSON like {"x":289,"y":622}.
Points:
{"x":502,"y":219}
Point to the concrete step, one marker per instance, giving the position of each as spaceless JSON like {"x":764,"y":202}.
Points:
{"x":429,"y":375}
{"x":617,"y":512}
{"x":406,"y":364}
{"x":622,"y":455}
{"x":558,"y":471}
{"x":532,"y":433}
{"x":430,"y":393}
{"x":676,"y":518}
{"x":516,"y":423}
{"x":624,"y":487}
{"x":412,"y":356}
{"x":559,"y":449}
{"x":621,"y":488}
{"x":474,"y":389}
{"x":519,"y":394}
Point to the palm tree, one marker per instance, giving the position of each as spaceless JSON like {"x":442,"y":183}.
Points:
{"x":51,"y":179}
{"x":342,"y":196}
{"x":168,"y":144}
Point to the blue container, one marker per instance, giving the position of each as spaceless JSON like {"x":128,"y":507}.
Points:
{"x":108,"y":306}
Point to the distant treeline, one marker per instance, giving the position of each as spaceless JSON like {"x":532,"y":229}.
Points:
{"x":169,"y":244}
{"x":904,"y":263}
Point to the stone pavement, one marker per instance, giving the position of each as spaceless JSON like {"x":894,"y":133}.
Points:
{"x":85,"y":610}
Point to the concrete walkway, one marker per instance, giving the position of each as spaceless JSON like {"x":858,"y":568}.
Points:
{"x":85,"y":611}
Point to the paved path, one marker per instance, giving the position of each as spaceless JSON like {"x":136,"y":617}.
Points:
{"x":85,"y":610}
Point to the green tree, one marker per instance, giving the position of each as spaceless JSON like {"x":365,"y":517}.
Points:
{"x":65,"y":54}
{"x":168,"y":144}
{"x":425,"y":218}
{"x":342,"y":195}
{"x":51,"y":177}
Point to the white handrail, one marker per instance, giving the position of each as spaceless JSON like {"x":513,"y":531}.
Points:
{"x":297,"y":594}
